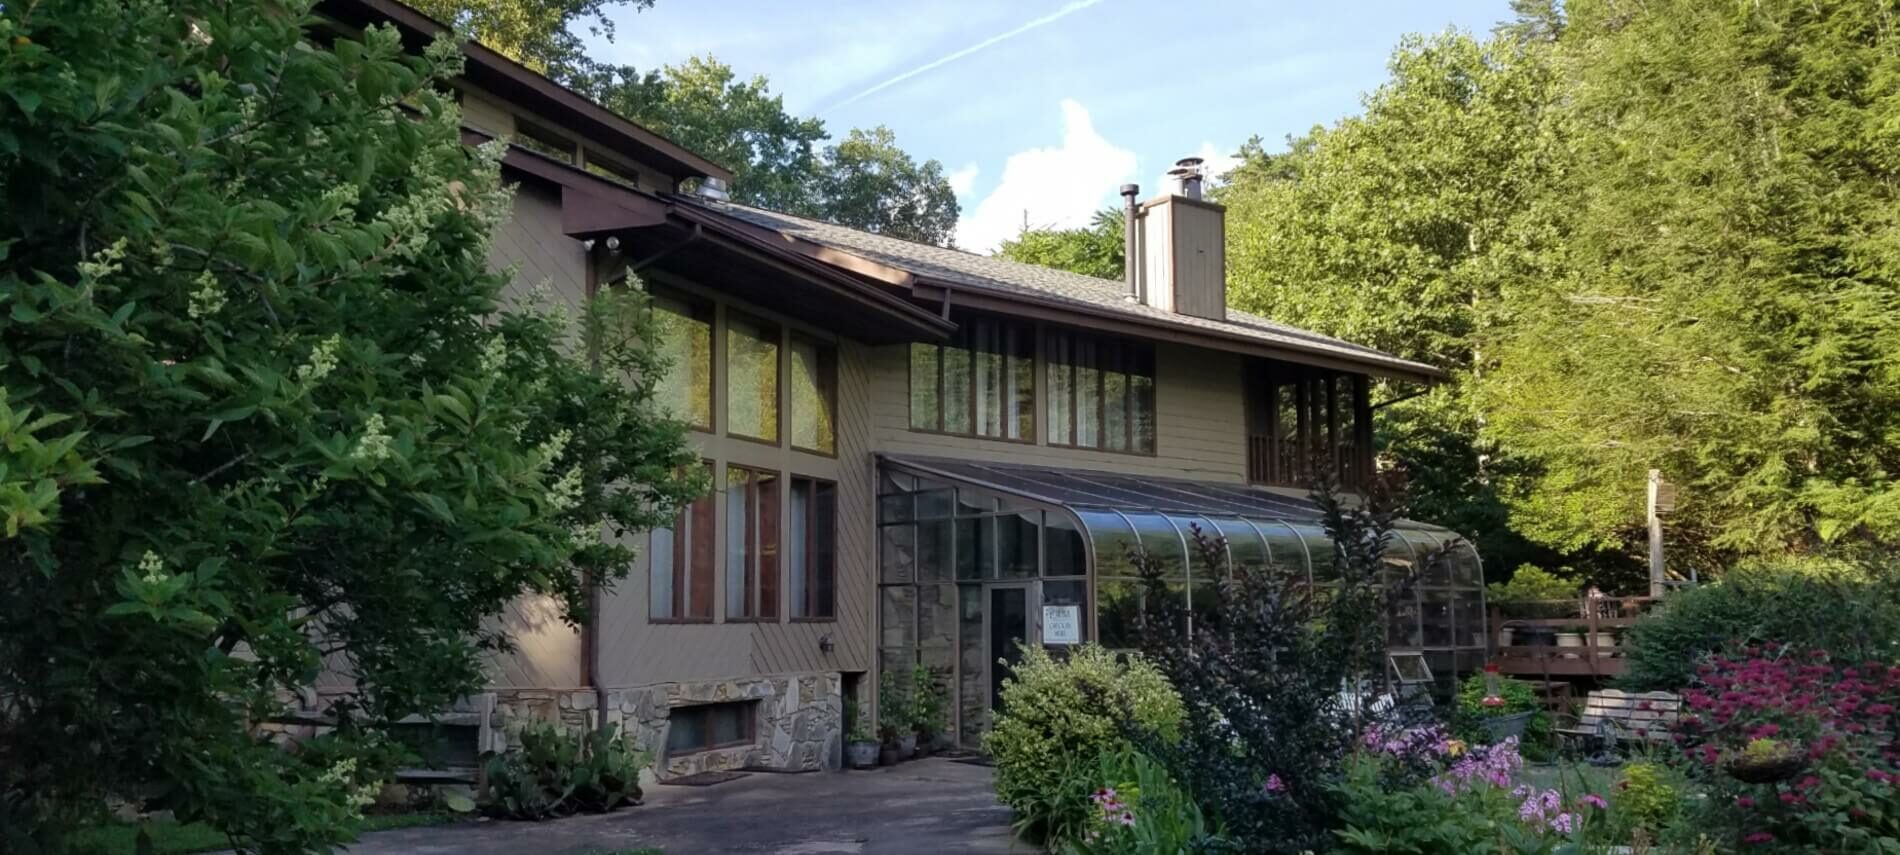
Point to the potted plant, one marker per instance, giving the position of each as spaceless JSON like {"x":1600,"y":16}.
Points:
{"x":1767,"y":761}
{"x":926,"y":708}
{"x":860,"y":747}
{"x":1572,"y":637}
{"x":1494,"y":707}
{"x":894,"y":714}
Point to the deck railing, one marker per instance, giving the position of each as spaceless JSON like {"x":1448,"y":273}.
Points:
{"x":1563,"y":638}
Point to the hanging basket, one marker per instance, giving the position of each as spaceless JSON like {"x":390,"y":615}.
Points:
{"x":1784,"y":762}
{"x":1498,"y":728}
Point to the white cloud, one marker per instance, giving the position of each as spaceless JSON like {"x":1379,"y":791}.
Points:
{"x":1059,"y":186}
{"x":963,"y":179}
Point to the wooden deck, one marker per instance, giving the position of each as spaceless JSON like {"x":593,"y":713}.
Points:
{"x":1599,"y":620}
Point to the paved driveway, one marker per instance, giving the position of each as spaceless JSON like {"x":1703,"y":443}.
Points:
{"x":926,"y":806}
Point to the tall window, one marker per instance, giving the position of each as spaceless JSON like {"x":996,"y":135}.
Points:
{"x":811,"y":549}
{"x":1306,"y":423}
{"x":751,"y":378}
{"x":1101,"y":393}
{"x":981,"y":383}
{"x":814,"y":395}
{"x":680,"y":583}
{"x":686,"y":340}
{"x":752,"y":523}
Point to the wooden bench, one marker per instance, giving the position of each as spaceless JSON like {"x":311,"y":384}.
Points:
{"x":1613,"y":715}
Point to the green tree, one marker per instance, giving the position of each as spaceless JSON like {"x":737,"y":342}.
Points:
{"x":537,"y":33}
{"x":867,"y":182}
{"x":1401,"y":228}
{"x":1097,"y":250}
{"x":1724,"y":309}
{"x":263,"y":410}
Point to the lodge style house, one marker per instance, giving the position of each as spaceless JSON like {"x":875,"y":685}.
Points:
{"x":921,"y":456}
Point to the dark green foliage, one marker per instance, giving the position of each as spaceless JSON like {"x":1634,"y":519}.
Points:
{"x":552,"y":772}
{"x":1853,"y":612}
{"x":266,"y":412}
{"x":1273,"y":686}
{"x":1469,"y":713}
{"x":1093,"y":251}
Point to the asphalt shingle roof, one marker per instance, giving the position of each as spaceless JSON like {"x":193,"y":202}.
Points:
{"x":1001,"y":276}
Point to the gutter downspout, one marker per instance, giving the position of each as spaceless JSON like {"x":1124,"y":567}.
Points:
{"x":1130,"y":244}
{"x":590,"y":643}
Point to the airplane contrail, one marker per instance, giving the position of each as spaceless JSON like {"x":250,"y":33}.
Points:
{"x":1070,"y":8}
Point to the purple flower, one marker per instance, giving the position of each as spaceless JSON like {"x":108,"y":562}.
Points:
{"x":1274,"y":784}
{"x":1563,"y":823}
{"x":1595,"y":801}
{"x":1127,"y":818}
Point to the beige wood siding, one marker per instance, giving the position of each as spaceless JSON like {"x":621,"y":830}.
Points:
{"x":1157,"y":255}
{"x":531,"y":244}
{"x":1200,"y":264}
{"x":637,"y":652}
{"x":1199,"y":431}
{"x":486,"y":114}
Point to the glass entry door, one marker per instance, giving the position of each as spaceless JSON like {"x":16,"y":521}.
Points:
{"x":1010,"y":626}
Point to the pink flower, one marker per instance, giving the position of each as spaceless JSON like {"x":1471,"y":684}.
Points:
{"x":1808,"y":783}
{"x":1594,"y":800}
{"x":1759,"y":837}
{"x":1127,"y":818}
{"x":1275,"y":785}
{"x":1744,"y":801}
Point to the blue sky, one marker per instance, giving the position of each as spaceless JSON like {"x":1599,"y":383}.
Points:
{"x":1046,"y":106}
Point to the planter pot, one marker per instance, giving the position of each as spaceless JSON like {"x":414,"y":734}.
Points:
{"x":1781,"y":765}
{"x":1499,"y":728}
{"x":907,"y":746}
{"x":887,"y":755}
{"x":1535,"y":636}
{"x":925,"y":745}
{"x":1569,"y":639}
{"x":861,"y":754}
{"x":1506,"y":636}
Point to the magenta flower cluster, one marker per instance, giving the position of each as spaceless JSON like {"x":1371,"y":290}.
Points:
{"x":1484,"y":764}
{"x":1114,"y":812}
{"x":1544,"y":811}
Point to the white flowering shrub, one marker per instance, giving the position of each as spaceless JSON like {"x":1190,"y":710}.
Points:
{"x":263,"y":410}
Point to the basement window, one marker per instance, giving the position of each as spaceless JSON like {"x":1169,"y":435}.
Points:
{"x":704,"y":727}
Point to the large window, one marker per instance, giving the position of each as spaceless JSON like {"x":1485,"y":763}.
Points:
{"x":686,"y":340}
{"x":981,"y":383}
{"x":811,"y":549}
{"x":814,"y":395}
{"x":751,"y":378}
{"x":680,"y":583}
{"x":704,"y":727}
{"x":1307,"y":424}
{"x":752,"y":524}
{"x":1101,"y":393}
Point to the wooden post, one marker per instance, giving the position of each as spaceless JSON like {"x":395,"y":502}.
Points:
{"x":1655,"y":535}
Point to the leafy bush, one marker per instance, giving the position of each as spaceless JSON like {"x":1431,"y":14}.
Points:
{"x":1853,"y":612}
{"x":1835,"y":723}
{"x":1140,"y":810}
{"x":1530,"y":584}
{"x":1059,"y":717}
{"x":895,"y":707}
{"x":553,"y":773}
{"x":1275,"y":674}
{"x":928,"y":701}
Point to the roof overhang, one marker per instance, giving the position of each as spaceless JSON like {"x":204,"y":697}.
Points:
{"x":672,"y":235}
{"x":1088,"y":316}
{"x":488,"y":69}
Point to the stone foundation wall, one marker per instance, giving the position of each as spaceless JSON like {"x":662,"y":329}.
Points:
{"x":798,"y":719}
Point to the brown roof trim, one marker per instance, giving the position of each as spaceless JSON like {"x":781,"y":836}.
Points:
{"x":1086,"y":316}
{"x":736,"y":236}
{"x":485,"y":66}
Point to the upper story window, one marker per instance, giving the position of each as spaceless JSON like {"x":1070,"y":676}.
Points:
{"x":980,"y":383}
{"x":811,"y":549}
{"x":1305,"y":424}
{"x":751,"y":378}
{"x":814,"y":395}
{"x":1101,"y":393}
{"x":686,"y":340}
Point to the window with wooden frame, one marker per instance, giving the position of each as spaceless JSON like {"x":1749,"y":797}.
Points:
{"x":544,"y":141}
{"x":1101,"y":392}
{"x":811,"y":549}
{"x":980,"y":383}
{"x":1305,"y":424}
{"x":751,"y":378}
{"x":680,"y":572}
{"x":705,"y":727}
{"x":686,"y":340}
{"x":752,"y":544}
{"x":814,"y":395}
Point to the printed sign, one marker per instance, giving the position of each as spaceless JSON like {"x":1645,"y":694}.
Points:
{"x":1062,"y":624}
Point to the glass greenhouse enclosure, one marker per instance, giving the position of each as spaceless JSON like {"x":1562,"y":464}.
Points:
{"x":974,"y":557}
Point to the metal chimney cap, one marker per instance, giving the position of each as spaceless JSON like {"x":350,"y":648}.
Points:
{"x":1189,"y":163}
{"x":713,"y":190}
{"x":1131,"y":189}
